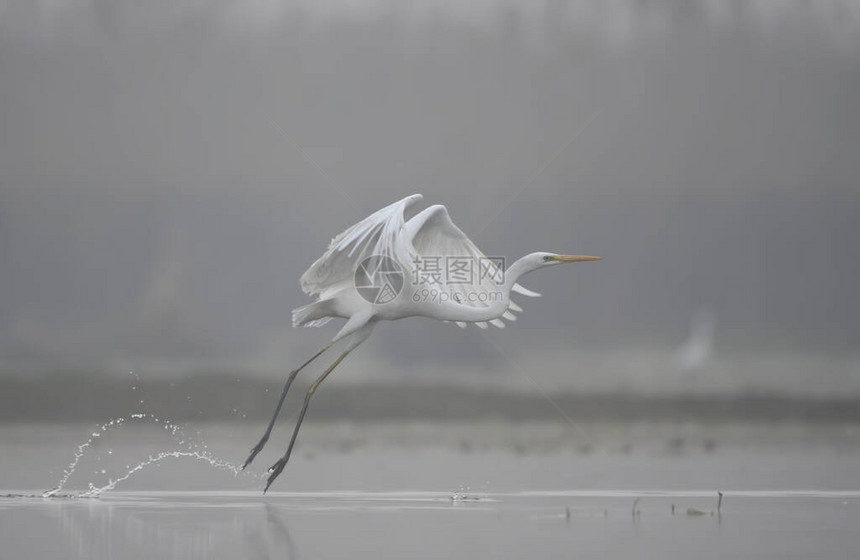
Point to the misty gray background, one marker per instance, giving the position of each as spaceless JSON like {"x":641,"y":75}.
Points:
{"x":168,"y":169}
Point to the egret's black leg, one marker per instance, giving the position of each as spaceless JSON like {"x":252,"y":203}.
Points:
{"x":262,"y":443}
{"x":276,"y":469}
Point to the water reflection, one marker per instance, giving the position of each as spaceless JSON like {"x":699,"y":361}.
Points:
{"x":213,"y":525}
{"x":278,"y":539}
{"x":234,"y":526}
{"x":154,"y":528}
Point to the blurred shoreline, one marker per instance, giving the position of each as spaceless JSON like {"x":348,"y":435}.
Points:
{"x":70,"y":398}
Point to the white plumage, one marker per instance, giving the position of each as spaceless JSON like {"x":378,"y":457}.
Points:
{"x":386,"y":251}
{"x":429,"y":234}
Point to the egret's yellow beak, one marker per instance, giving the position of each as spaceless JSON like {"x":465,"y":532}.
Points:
{"x":575,"y":258}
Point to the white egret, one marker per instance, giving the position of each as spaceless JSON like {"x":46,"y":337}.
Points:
{"x":697,"y":351}
{"x":390,"y":266}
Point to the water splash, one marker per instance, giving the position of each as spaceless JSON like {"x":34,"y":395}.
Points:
{"x":192,"y":449}
{"x":94,"y":491}
{"x":462,"y":495}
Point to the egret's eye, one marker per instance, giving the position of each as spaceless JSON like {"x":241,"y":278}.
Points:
{"x":548,"y":258}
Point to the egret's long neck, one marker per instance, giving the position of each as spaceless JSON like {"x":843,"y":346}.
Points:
{"x":495,"y":306}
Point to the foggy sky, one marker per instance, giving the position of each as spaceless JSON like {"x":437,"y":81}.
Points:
{"x":168,"y":170}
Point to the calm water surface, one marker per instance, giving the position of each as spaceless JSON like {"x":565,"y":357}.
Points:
{"x":431,"y":525}
{"x":436,"y":491}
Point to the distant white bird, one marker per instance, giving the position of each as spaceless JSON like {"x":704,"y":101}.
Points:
{"x":388,"y":267}
{"x":695,"y":353}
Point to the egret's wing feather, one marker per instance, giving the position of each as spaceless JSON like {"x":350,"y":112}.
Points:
{"x":520,"y":290}
{"x":434,"y":236}
{"x":378,"y":234}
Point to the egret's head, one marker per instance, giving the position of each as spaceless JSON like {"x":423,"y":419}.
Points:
{"x":539,"y":260}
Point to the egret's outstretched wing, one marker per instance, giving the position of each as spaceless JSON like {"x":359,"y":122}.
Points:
{"x":476,"y":280}
{"x":378,"y":234}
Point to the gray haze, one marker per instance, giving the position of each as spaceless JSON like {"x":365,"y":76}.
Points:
{"x":168,"y":169}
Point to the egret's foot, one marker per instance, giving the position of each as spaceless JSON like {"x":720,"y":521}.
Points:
{"x":274,"y":471}
{"x":257,"y":448}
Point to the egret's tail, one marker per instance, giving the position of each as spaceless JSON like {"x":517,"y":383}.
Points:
{"x":314,"y":314}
